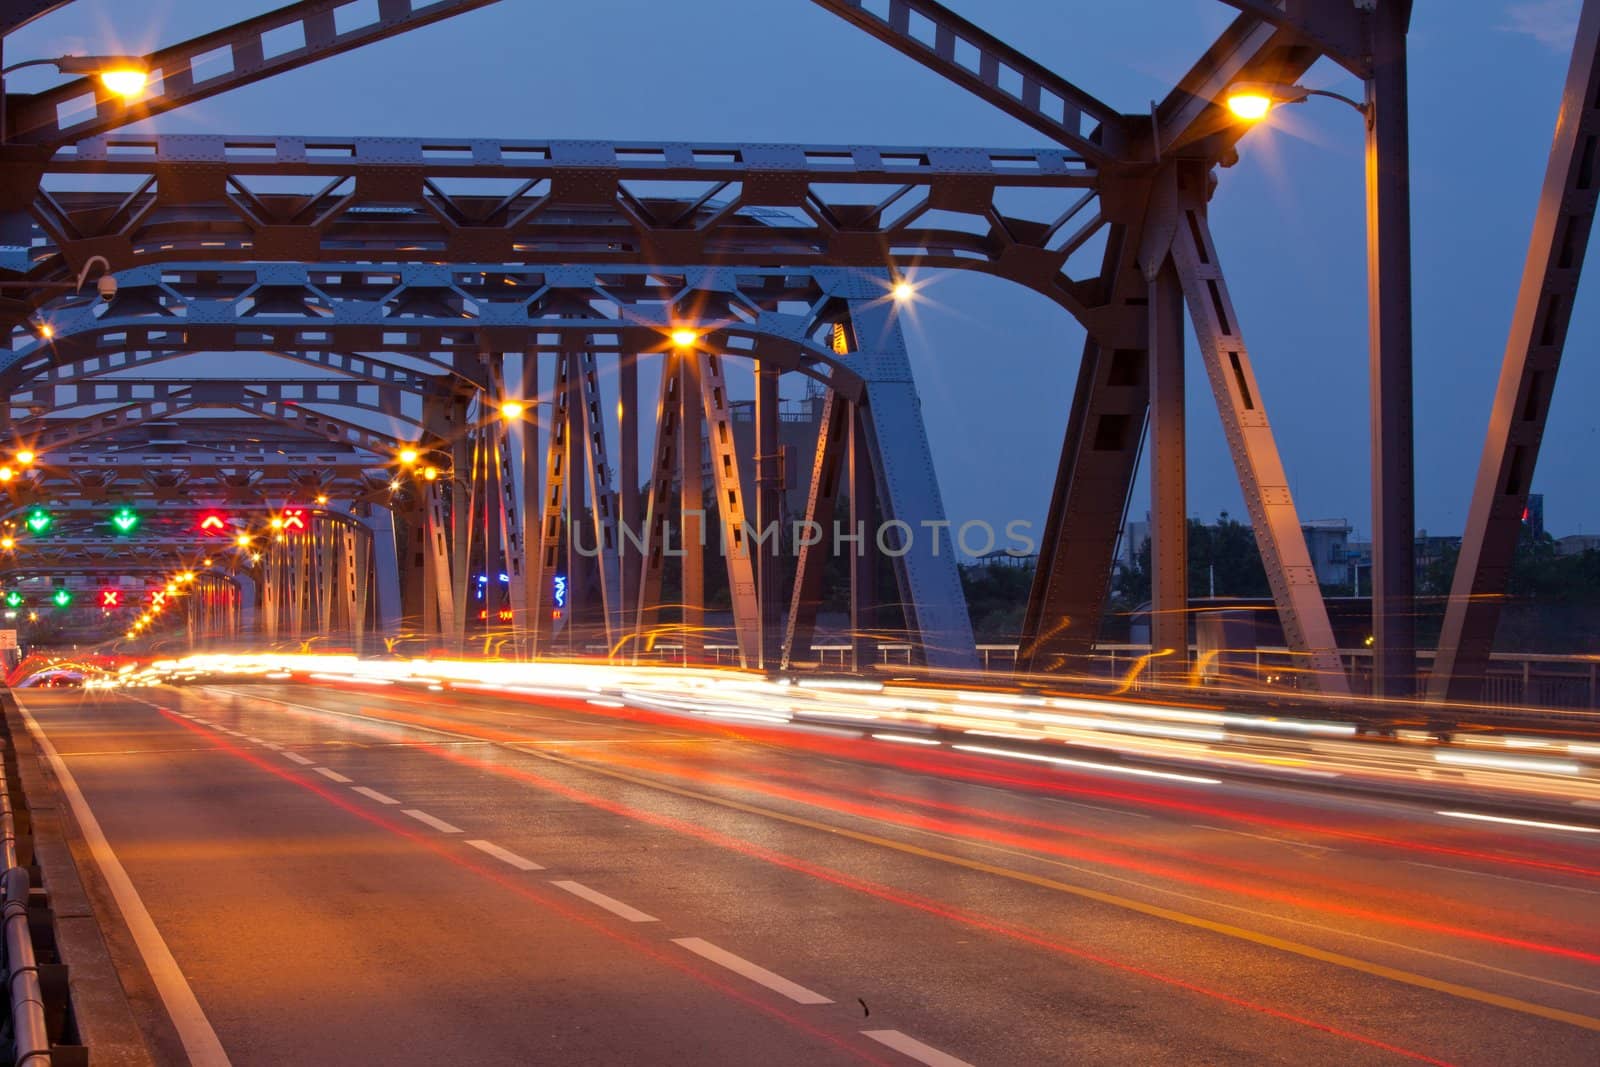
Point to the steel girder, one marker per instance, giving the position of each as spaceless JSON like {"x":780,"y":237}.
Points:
{"x":1301,"y":609}
{"x":776,"y":316}
{"x":1545,"y":300}
{"x":369,"y":200}
{"x":983,"y":64}
{"x":288,"y":37}
{"x":43,"y":369}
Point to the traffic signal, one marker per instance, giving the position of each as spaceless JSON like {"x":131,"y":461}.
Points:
{"x":62,"y":598}
{"x":39,"y":520}
{"x":294,"y":519}
{"x":125,"y":520}
{"x":15,"y":599}
{"x":214,"y":524}
{"x":111,"y":598}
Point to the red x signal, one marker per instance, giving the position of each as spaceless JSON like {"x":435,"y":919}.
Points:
{"x":111,"y":598}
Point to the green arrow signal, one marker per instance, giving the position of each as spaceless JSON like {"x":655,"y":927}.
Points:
{"x":15,"y":599}
{"x":126,"y":520}
{"x":62,"y":597}
{"x":39,"y":520}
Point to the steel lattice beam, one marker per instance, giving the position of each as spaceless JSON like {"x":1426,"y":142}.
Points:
{"x":981,"y":63}
{"x":281,"y":40}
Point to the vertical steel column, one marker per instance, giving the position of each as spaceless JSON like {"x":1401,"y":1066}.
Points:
{"x":1095,"y":474}
{"x":628,"y":497}
{"x":663,"y":470}
{"x":896,"y":443}
{"x":1394,"y":580}
{"x":1306,"y":627}
{"x":863,"y":575}
{"x":356,"y":570}
{"x":602,"y":499}
{"x":387,"y":611}
{"x":437,"y":564}
{"x":769,"y":517}
{"x":524,"y":443}
{"x":463,"y":499}
{"x":1169,"y":529}
{"x":557,"y":456}
{"x":1561,"y":231}
{"x":735,"y":541}
{"x":821,"y":506}
{"x":691,"y":506}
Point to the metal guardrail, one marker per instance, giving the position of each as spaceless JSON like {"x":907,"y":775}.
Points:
{"x":30,"y":1037}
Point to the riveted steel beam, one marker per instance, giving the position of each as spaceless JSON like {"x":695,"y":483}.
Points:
{"x":1561,"y":229}
{"x":281,"y":40}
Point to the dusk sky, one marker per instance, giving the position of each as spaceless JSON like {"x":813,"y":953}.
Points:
{"x":996,"y":364}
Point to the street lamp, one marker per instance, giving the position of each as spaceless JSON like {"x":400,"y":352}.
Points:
{"x":122,"y":76}
{"x":1254,"y":101}
{"x":685,"y":338}
{"x":1389,"y":326}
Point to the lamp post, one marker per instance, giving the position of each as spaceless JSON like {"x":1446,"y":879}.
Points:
{"x":123,"y":76}
{"x":1388,"y":195}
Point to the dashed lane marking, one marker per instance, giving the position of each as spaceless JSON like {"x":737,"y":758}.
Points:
{"x":611,"y":904}
{"x":755,"y":972}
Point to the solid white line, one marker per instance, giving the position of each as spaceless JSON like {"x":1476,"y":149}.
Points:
{"x":915,"y":1049}
{"x":1504,"y":878}
{"x":506,"y":856}
{"x":759,"y":975}
{"x":611,"y":904}
{"x":332,"y":776}
{"x":194,"y":1029}
{"x":373,"y":794}
{"x":273,"y":745}
{"x":428,"y":820}
{"x":296,"y":757}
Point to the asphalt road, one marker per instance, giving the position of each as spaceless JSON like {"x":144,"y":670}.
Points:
{"x":366,"y":875}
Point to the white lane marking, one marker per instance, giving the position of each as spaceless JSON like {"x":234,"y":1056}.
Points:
{"x":1264,"y":837}
{"x":910,"y":1046}
{"x":194,"y":1029}
{"x":429,"y":820}
{"x":297,"y":758}
{"x":611,"y":904}
{"x":1504,"y":878}
{"x":332,"y":776}
{"x":373,"y":794}
{"x":521,"y":863}
{"x":757,"y":974}
{"x":273,"y":745}
{"x":255,"y":740}
{"x":1534,"y":823}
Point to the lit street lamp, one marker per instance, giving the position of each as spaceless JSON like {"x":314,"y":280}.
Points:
{"x":122,"y":76}
{"x":1388,"y":181}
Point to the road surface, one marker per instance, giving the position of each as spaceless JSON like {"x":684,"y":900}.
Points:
{"x":369,"y":874}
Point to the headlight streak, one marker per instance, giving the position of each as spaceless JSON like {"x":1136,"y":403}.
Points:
{"x":1507,"y":820}
{"x":904,"y":740}
{"x":1207,"y":740}
{"x":1086,"y":765}
{"x":1508,"y":763}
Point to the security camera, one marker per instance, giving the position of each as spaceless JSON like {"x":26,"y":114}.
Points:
{"x":108,"y":288}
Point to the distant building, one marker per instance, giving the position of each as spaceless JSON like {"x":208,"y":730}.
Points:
{"x":1577,"y":544}
{"x":1328,"y":541}
{"x":1134,"y":535}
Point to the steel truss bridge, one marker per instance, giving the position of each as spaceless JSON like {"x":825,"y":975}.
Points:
{"x":408,"y":290}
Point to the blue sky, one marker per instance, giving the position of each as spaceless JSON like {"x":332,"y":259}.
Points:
{"x":996,"y":364}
